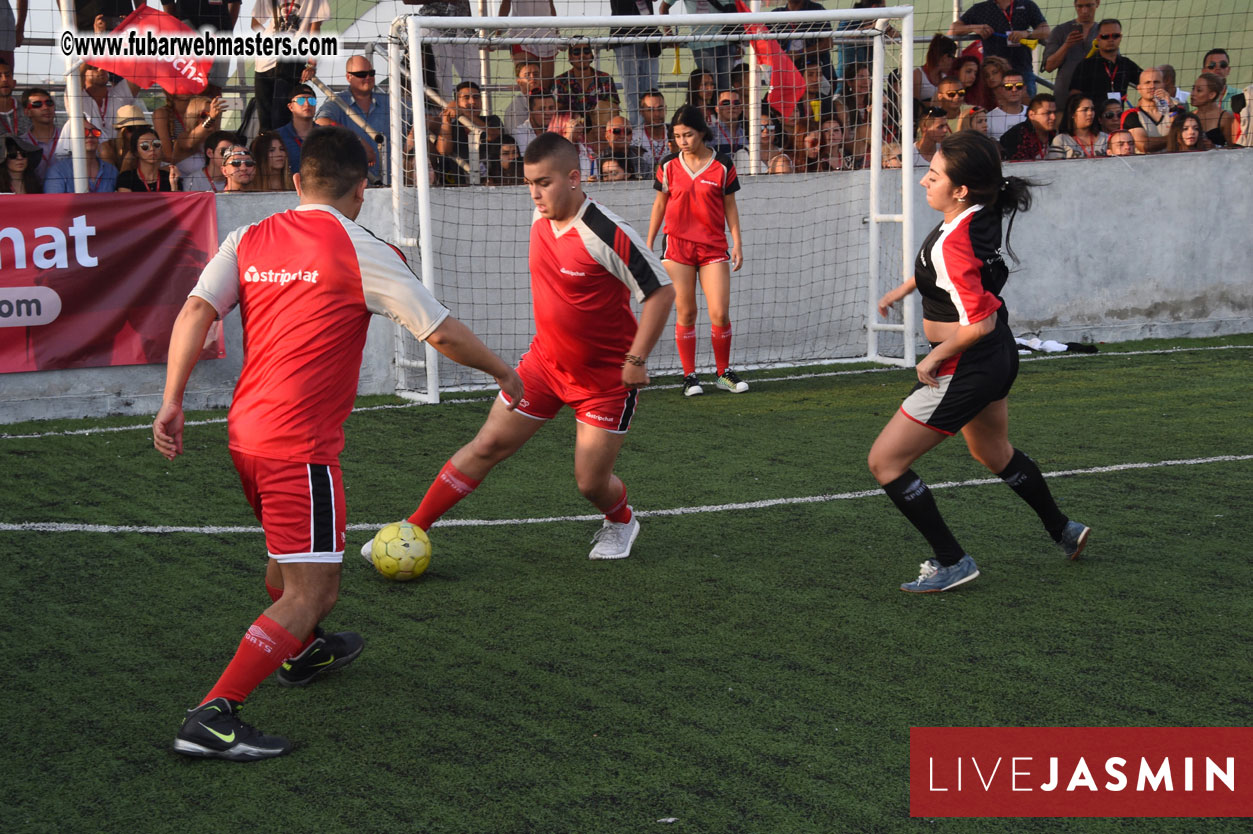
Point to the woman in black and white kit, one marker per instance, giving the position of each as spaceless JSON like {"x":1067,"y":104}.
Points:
{"x":965,"y":379}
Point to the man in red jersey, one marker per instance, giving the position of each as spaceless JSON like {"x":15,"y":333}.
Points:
{"x":306,"y":282}
{"x":588,"y":353}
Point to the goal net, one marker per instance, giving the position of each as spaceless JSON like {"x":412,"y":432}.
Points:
{"x":825,"y":194}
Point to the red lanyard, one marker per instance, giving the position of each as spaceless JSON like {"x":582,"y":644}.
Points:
{"x":1113,"y":85}
{"x":1090,"y":150}
{"x":726,"y":139}
{"x":1009,"y":15}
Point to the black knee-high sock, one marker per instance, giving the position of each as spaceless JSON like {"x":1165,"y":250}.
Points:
{"x":1024,"y":478}
{"x":914,"y":500}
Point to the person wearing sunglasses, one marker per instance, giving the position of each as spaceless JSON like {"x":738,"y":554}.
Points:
{"x":619,"y":146}
{"x":1109,"y":115}
{"x":949,"y":97}
{"x":1068,"y":44}
{"x":362,"y":99}
{"x":301,"y":106}
{"x":1002,"y":25}
{"x":41,"y":110}
{"x":582,"y":87}
{"x":729,"y":115}
{"x":101,"y":175}
{"x":274,"y":78}
{"x":147,"y":176}
{"x":936,"y":67}
{"x":17,"y":172}
{"x":1108,"y":73}
{"x":1009,"y":110}
{"x":1219,"y":63}
{"x":241,"y":170}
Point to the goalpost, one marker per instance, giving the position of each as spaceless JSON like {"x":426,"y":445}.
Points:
{"x":820,"y":248}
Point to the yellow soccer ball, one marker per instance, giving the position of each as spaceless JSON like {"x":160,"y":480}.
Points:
{"x":401,"y":551}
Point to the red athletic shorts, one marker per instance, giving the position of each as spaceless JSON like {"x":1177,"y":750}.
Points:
{"x":300,"y":507}
{"x":691,"y":253}
{"x":545,"y":392}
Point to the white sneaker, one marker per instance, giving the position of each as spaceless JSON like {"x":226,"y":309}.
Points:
{"x":367,"y":551}
{"x":614,"y":540}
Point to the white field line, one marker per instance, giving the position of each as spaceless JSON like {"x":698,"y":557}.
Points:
{"x":756,"y":381}
{"x":60,"y":527}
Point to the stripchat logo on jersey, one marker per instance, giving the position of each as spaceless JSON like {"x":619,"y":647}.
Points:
{"x":252,"y":275}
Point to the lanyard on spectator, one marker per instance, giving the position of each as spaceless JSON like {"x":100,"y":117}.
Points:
{"x":1112,"y":75}
{"x":94,"y":184}
{"x":726,"y":139}
{"x":1009,"y":16}
{"x":652,"y":149}
{"x":1090,"y":150}
{"x":12,"y":120}
{"x":45,"y":156}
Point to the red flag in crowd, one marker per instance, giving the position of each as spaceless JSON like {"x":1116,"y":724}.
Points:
{"x":787,"y":85}
{"x":174,"y":74}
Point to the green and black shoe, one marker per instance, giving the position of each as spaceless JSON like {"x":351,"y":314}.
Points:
{"x":215,"y":731}
{"x":326,"y":653}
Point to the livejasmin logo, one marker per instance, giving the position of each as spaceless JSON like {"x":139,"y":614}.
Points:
{"x":278,"y":276}
{"x":1081,"y":772}
{"x":1023,"y":775}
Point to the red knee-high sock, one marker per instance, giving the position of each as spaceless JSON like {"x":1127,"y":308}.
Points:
{"x":450,"y":486}
{"x":618,"y":511}
{"x":264,"y":648}
{"x":275,"y":593}
{"x":721,"y":338}
{"x":685,"y":341}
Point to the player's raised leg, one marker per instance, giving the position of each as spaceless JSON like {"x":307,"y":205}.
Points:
{"x":987,"y":437}
{"x":504,"y":432}
{"x":595,"y":451}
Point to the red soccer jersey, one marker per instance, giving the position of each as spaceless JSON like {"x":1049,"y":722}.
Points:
{"x":306,"y":282}
{"x":582,"y":279}
{"x":695,"y":210}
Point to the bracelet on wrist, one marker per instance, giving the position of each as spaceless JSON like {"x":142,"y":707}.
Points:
{"x":632,"y":359}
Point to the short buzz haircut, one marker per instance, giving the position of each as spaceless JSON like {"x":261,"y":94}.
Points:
{"x":1038,"y":99}
{"x":1216,"y":51}
{"x":552,"y":146}
{"x":31,"y":93}
{"x":653,"y":93}
{"x":332,"y":162}
{"x":1109,"y":21}
{"x":469,"y":85}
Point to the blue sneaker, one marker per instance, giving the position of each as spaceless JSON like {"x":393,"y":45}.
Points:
{"x":933,"y":577}
{"x":1074,"y":539}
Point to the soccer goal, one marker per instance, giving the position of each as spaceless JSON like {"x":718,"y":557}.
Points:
{"x":821,"y":243}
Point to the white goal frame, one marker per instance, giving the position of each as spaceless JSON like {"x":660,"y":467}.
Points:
{"x":413,"y":30}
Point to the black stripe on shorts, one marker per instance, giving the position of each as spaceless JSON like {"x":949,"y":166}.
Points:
{"x":628,"y":410}
{"x":321,"y":509}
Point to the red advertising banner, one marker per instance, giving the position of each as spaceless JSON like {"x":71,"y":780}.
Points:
{"x":88,"y":280}
{"x":1081,"y":771}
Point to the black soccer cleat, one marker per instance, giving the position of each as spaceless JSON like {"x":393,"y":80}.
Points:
{"x":326,"y":653}
{"x":1074,"y":539}
{"x":215,"y":731}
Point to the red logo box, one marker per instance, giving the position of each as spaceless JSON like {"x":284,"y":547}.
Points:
{"x":1081,"y":771}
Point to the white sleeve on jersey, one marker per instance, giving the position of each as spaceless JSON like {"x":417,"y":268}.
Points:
{"x":219,"y":282}
{"x":391,"y":288}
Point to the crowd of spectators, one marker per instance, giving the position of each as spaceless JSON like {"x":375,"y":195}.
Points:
{"x":1102,"y":103}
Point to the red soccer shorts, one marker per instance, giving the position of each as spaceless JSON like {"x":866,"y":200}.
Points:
{"x":691,"y":253}
{"x":545,"y":392}
{"x":300,"y":507}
